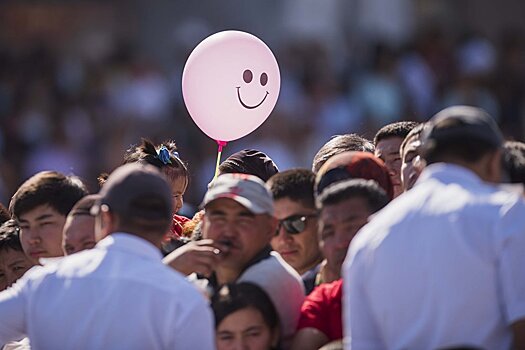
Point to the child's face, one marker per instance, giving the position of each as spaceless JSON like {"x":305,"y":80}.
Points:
{"x":13,"y":265}
{"x":41,"y":232}
{"x":178,"y":187}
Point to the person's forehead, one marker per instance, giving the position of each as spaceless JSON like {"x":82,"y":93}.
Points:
{"x":79,"y":226}
{"x":9,"y":255}
{"x":355,"y":206}
{"x":412,"y":144}
{"x":287,"y":206}
{"x":225,"y":204}
{"x":388,"y":145}
{"x":43,"y":210}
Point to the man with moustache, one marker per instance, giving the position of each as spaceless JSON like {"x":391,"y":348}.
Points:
{"x":238,"y":217}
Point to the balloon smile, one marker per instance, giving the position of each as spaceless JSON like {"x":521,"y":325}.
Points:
{"x":244,"y":104}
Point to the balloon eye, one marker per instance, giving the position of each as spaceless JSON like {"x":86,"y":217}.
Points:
{"x":247,"y":76}
{"x":264,"y":79}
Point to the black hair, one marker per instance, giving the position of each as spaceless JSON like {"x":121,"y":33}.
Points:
{"x":514,"y":161}
{"x":295,"y":184}
{"x":397,"y":129}
{"x":10,"y":236}
{"x":339,"y":144}
{"x":338,"y":192}
{"x":233,"y":297}
{"x":51,"y":188}
{"x":4,"y":214}
{"x":146,"y":152}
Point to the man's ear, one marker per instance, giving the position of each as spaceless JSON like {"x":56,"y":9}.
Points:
{"x":204,"y":225}
{"x":106,"y":223}
{"x":272,"y":226}
{"x":494,"y":166}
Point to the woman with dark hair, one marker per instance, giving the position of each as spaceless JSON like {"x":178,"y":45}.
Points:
{"x":245,"y":318}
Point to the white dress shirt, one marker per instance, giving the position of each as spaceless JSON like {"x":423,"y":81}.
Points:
{"x":441,"y":266}
{"x":118,"y":295}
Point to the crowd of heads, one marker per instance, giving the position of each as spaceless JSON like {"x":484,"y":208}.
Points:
{"x":249,"y":212}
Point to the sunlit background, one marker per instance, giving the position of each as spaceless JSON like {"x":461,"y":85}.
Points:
{"x":81,"y":81}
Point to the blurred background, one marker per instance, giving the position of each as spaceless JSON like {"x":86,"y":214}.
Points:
{"x":82,"y":81}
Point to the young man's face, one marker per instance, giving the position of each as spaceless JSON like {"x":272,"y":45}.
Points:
{"x":388,"y":151}
{"x":41,"y":232}
{"x":13,"y":265}
{"x":79,"y":234}
{"x":233,"y":225}
{"x":300,"y":250}
{"x":412,"y":163}
{"x":339,"y":224}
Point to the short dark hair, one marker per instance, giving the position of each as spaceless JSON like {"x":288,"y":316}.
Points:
{"x":4,"y":214}
{"x":415,"y":132}
{"x":397,"y":129}
{"x":295,"y":184}
{"x":51,"y":188}
{"x":10,"y":236}
{"x":234,"y":297}
{"x":339,"y":144}
{"x":514,"y":161}
{"x":338,"y":192}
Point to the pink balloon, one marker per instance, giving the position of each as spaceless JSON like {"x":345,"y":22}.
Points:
{"x":230,"y":84}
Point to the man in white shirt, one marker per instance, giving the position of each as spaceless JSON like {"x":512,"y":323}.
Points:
{"x":118,"y":295}
{"x":442,"y":265}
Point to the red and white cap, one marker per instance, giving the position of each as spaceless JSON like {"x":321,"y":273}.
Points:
{"x":247,"y":190}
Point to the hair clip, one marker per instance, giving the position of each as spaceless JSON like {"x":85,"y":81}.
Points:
{"x":175,"y":154}
{"x":164,"y":155}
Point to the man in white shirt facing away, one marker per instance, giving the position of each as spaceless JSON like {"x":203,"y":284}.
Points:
{"x":442,"y":265}
{"x":117,"y":295}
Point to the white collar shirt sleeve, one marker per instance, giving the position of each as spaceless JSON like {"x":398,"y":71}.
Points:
{"x":118,"y":295}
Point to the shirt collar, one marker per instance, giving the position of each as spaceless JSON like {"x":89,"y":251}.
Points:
{"x":131,"y":244}
{"x":450,"y":173}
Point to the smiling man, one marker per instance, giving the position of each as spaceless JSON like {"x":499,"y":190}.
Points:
{"x":296,"y":236}
{"x":40,"y":206}
{"x":387,"y":142}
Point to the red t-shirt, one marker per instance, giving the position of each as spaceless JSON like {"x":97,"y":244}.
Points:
{"x":322,"y":310}
{"x":176,"y":227}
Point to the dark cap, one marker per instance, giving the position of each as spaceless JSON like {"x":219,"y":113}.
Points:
{"x":460,"y":122}
{"x":137,"y":190}
{"x":250,"y":161}
{"x":354,"y":165}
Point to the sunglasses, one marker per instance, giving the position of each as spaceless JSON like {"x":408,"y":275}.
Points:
{"x":294,"y":224}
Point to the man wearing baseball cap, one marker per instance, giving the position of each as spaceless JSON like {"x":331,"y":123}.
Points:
{"x":238,"y":215}
{"x":117,"y":295}
{"x":442,"y":265}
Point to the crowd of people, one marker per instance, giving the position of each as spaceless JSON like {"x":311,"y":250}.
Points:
{"x":78,"y":110}
{"x":412,"y":240}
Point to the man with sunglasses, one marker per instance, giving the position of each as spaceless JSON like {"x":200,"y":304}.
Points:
{"x":296,"y":235}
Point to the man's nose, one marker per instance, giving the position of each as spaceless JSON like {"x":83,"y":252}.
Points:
{"x":32,"y":235}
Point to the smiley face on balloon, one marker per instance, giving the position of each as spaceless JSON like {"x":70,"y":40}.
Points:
{"x":230,"y":84}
